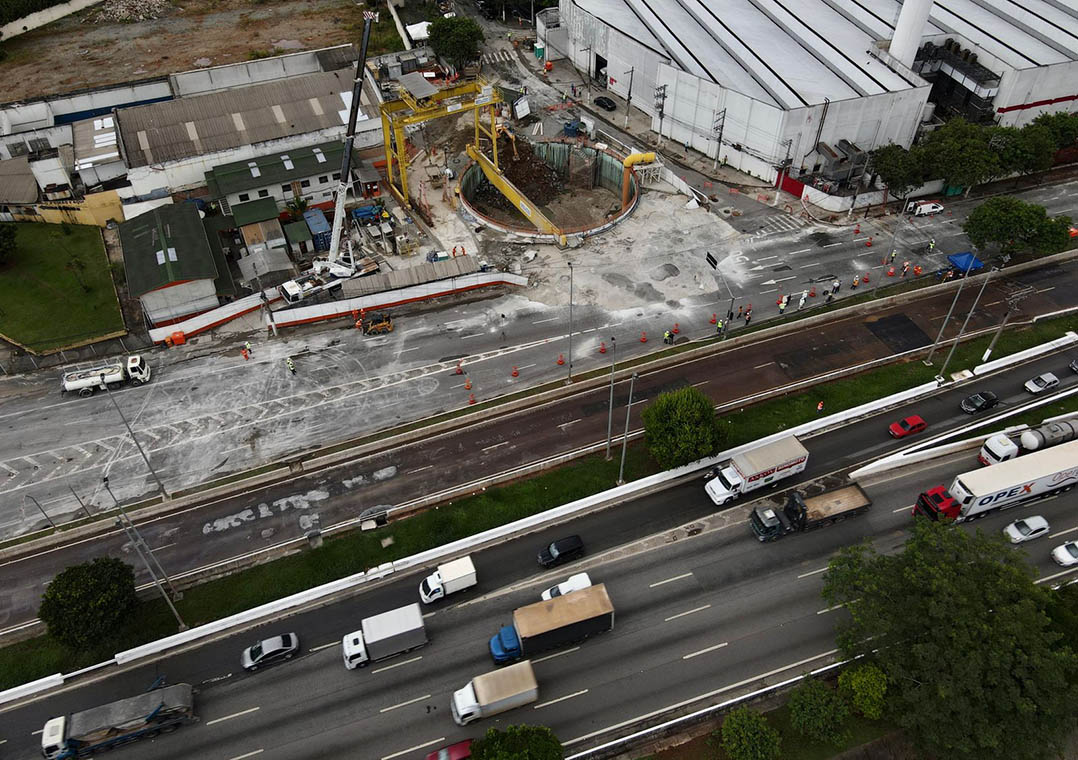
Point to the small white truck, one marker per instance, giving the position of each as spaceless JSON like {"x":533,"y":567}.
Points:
{"x":1001,"y":448}
{"x":493,"y":693}
{"x":307,"y":285}
{"x":107,"y":374}
{"x":449,"y":578}
{"x":757,"y":467}
{"x":383,"y":636}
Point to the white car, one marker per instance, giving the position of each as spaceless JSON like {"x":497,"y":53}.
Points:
{"x":574,"y":583}
{"x":1066,"y":554}
{"x":1026,"y":529}
{"x":926,"y":208}
{"x":1040,"y":383}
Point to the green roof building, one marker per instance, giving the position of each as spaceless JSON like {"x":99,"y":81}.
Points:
{"x":169,"y":265}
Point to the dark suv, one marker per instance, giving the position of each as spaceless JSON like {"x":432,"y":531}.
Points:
{"x":561,"y":551}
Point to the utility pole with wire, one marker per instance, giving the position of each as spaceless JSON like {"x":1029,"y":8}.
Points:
{"x":660,"y":102}
{"x":629,"y":100}
{"x":717,"y":125}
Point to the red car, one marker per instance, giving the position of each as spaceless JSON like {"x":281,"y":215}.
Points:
{"x":909,"y":426}
{"x":459,"y":751}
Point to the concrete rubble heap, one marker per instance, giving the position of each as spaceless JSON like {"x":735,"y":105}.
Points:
{"x":127,"y":11}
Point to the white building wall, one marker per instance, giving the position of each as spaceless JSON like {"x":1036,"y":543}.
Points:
{"x":1028,"y":86}
{"x":625,"y":53}
{"x":190,"y":173}
{"x":200,"y":81}
{"x":318,"y":192}
{"x":179,"y":300}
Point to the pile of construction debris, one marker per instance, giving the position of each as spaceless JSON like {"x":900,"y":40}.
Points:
{"x":534,"y":177}
{"x":129,"y":11}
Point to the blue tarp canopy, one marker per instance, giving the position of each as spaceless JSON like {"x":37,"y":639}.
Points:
{"x":964,"y":261}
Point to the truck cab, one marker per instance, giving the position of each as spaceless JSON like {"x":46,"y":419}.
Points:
{"x":770,"y":524}
{"x":465,"y":706}
{"x":354,"y":650}
{"x":138,"y":370}
{"x":52,"y":737}
{"x":505,"y":645}
{"x":936,"y":503}
{"x":723,"y":484}
{"x":996,"y":449}
{"x":431,"y":589}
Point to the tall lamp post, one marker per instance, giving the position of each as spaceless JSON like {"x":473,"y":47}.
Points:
{"x":131,"y":433}
{"x":625,"y":438}
{"x":569,"y":377}
{"x":610,"y":405}
{"x":969,"y":266}
{"x":49,"y":519}
{"x":143,"y":550}
{"x":961,"y":330}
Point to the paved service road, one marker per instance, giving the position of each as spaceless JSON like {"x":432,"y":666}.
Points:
{"x":697,"y":618}
{"x":285,"y":512}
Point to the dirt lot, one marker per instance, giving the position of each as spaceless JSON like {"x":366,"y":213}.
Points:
{"x":74,"y":53}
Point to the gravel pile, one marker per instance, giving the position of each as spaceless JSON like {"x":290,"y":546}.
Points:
{"x":128,"y":11}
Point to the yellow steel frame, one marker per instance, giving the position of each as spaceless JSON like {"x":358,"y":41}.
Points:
{"x":398,"y":114}
{"x":517,"y":198}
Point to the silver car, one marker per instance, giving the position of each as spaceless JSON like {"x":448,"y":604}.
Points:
{"x":576,"y":582}
{"x":1066,"y":554}
{"x":1026,"y":529}
{"x":1042,"y":383}
{"x":269,"y":651}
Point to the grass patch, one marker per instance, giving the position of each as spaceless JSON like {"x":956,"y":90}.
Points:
{"x":384,"y":36}
{"x":354,"y":552}
{"x":57,"y":288}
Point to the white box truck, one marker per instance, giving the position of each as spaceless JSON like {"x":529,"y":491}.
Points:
{"x":448,"y":579}
{"x":109,"y":374}
{"x":101,"y":728}
{"x":975,"y":494}
{"x":386,"y":635}
{"x":493,"y":693}
{"x":757,"y":467}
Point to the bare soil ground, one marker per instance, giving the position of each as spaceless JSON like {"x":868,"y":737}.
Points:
{"x":73,"y":53}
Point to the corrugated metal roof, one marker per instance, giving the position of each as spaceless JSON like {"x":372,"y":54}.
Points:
{"x":177,"y":129}
{"x":95,"y":142}
{"x":297,"y":232}
{"x":17,"y":183}
{"x":164,"y":246}
{"x":276,"y":169}
{"x":405,"y":278}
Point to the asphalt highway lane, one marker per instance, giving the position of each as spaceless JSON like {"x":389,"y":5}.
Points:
{"x":695,"y":616}
{"x":199,"y":537}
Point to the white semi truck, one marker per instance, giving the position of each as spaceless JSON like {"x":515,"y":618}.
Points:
{"x":757,"y":467}
{"x":449,"y":578}
{"x":109,"y":374}
{"x":1001,"y":447}
{"x":101,"y":728}
{"x":383,"y":636}
{"x":493,"y":693}
{"x":975,"y":494}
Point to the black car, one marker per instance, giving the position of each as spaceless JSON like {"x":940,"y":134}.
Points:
{"x":606,"y":103}
{"x":561,"y":551}
{"x":979,"y":402}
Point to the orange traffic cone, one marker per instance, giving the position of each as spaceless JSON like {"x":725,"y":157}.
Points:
{"x":891,"y":272}
{"x":643,"y":337}
{"x":460,"y":368}
{"x":561,"y":359}
{"x":471,"y":398}
{"x":468,"y":384}
{"x":602,"y":347}
{"x":865,"y":278}
{"x":516,"y":372}
{"x":714,"y":319}
{"x":676,"y":330}
{"x":858,"y":230}
{"x":812,"y":292}
{"x":868,"y":243}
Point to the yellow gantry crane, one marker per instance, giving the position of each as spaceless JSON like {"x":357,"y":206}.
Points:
{"x":420,"y":102}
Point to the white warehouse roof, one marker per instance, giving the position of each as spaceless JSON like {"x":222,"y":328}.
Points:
{"x":794,"y":53}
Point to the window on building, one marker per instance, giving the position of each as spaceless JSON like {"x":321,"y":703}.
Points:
{"x":323,"y":180}
{"x":305,"y":183}
{"x":327,"y":194}
{"x":336,"y":176}
{"x":286,"y":188}
{"x":17,"y":149}
{"x":263,"y":193}
{"x":244,"y":197}
{"x":39,"y":144}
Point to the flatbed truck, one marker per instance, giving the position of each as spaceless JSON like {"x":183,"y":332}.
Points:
{"x":800,"y":514}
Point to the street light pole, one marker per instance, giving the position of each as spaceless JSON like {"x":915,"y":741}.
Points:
{"x":131,"y":433}
{"x":625,"y":438}
{"x":943,"y":371}
{"x":49,"y":519}
{"x":610,"y":405}
{"x":629,"y":100}
{"x":569,"y":378}
{"x":137,"y":541}
{"x":928,"y":359}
